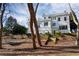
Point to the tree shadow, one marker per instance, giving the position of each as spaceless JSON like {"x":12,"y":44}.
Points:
{"x":70,"y":49}
{"x":45,"y":50}
{"x":66,"y":49}
{"x":25,"y":49}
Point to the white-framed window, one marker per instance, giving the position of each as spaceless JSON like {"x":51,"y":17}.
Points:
{"x":58,"y":18}
{"x":63,"y":27}
{"x":44,"y":17}
{"x":65,"y":18}
{"x":49,"y":17}
{"x":54,"y":18}
{"x":45,"y":23}
{"x":53,"y":24}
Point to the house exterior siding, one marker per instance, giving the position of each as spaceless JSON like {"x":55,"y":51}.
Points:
{"x":62,"y":25}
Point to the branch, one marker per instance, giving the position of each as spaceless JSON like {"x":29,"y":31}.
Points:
{"x":36,"y":7}
{"x":0,"y":5}
{"x":5,"y":17}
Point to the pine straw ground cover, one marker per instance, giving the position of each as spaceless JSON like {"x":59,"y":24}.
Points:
{"x":65,"y":47}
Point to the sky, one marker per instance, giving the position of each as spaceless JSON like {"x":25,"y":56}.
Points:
{"x":20,"y":11}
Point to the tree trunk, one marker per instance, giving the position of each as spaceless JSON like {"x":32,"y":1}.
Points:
{"x":1,"y":23}
{"x":31,"y":10}
{"x":2,"y":16}
{"x":78,"y":35}
{"x":0,"y":28}
{"x":37,"y":32}
{"x":33,"y":20}
{"x":0,"y":34}
{"x":33,"y":35}
{"x":36,"y":26}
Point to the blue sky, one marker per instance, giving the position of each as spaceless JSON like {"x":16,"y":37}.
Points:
{"x":21,"y":13}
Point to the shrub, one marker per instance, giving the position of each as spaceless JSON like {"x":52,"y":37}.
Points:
{"x":5,"y":29}
{"x":18,"y":29}
{"x":57,"y":34}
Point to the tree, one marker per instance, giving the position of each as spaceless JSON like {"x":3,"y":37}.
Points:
{"x":36,"y":27}
{"x":75,"y":20}
{"x":0,"y":28}
{"x":12,"y":27}
{"x":33,"y":22}
{"x":2,"y":10}
{"x":10,"y":24}
{"x":18,"y":29}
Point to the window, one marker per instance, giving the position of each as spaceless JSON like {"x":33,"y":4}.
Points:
{"x":53,"y":24}
{"x":54,"y":18}
{"x":65,"y":18}
{"x":45,"y":23}
{"x":59,"y":19}
{"x":44,"y":17}
{"x":49,"y":17}
{"x":63,"y":27}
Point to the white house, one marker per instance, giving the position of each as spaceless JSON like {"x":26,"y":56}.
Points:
{"x":55,"y":22}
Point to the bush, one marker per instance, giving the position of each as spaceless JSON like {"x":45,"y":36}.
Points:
{"x":46,"y":35}
{"x":57,"y":34}
{"x":5,"y":29}
{"x":18,"y":29}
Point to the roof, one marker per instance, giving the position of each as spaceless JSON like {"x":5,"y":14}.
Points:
{"x":58,"y":14}
{"x":54,"y":15}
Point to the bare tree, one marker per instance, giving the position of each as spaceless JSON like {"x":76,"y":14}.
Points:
{"x":2,"y":9}
{"x":74,"y":18}
{"x":33,"y":21}
{"x":31,"y":10}
{"x":36,"y":26}
{"x":0,"y":28}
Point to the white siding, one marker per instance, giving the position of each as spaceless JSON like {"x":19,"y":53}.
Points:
{"x":63,"y":22}
{"x":50,"y":28}
{"x":44,"y":29}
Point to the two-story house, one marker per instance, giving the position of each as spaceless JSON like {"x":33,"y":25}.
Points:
{"x":61,"y":22}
